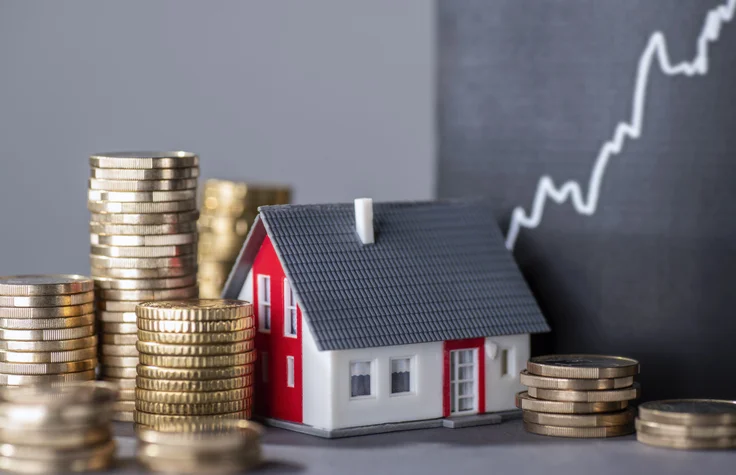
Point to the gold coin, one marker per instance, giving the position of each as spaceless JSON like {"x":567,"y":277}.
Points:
{"x":190,"y":409}
{"x":156,"y":218}
{"x":141,"y":196}
{"x":47,"y":368}
{"x":700,"y":412}
{"x":59,"y":345}
{"x":52,"y":284}
{"x":240,"y":462}
{"x":164,"y":272}
{"x":232,"y":433}
{"x":46,"y":379}
{"x":123,"y":416}
{"x":96,"y":458}
{"x":119,"y":339}
{"x":580,"y":432}
{"x":193,"y":374}
{"x":141,"y":229}
{"x":124,"y":406}
{"x":47,"y":312}
{"x":197,"y":448}
{"x":581,"y":420}
{"x":144,"y":175}
{"x":136,"y":240}
{"x":147,"y":284}
{"x":218,"y":361}
{"x":144,"y":263}
{"x":144,"y":252}
{"x":116,"y":317}
{"x":144,"y":160}
{"x":124,"y":384}
{"x":73,"y":405}
{"x":224,"y":225}
{"x":686,"y":443}
{"x":153,"y":348}
{"x":583,"y":366}
{"x":197,"y":338}
{"x":196,"y":310}
{"x":138,"y":295}
{"x":544,"y":382}
{"x":170,"y":397}
{"x":167,"y":423}
{"x":57,"y":438}
{"x":605,"y":395}
{"x":527,"y":403}
{"x":194,"y":386}
{"x":35,"y":452}
{"x":120,"y":361}
{"x":48,"y":356}
{"x":677,"y":430}
{"x":170,"y":326}
{"x":142,"y":208}
{"x":117,"y":372}
{"x":48,"y":335}
{"x":119,"y":350}
{"x":47,"y":300}
{"x":142,"y":185}
{"x":119,"y":328}
{"x":46,"y":323}
{"x":127,"y":394}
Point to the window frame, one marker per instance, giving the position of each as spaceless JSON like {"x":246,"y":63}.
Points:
{"x":263,"y":282}
{"x":289,"y":307}
{"x":371,"y":375}
{"x":412,"y":376}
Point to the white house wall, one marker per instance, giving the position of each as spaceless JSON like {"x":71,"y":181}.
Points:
{"x":501,"y":389}
{"x":317,"y":383}
{"x":246,"y":292}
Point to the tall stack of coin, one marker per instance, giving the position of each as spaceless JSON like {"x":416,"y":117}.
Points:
{"x":228,"y":210}
{"x":232,"y":447}
{"x":143,"y":247}
{"x":688,"y":424}
{"x":47,"y":332}
{"x":579,"y":395}
{"x":59,"y":429}
{"x":196,"y":363}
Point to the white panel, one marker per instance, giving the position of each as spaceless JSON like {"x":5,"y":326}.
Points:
{"x":246,"y":293}
{"x":500,"y":390}
{"x":317,"y":383}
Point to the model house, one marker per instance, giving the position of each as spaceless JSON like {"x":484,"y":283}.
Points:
{"x":374,"y":318}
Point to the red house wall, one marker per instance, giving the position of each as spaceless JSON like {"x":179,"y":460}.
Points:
{"x":273,"y":397}
{"x":481,"y":381}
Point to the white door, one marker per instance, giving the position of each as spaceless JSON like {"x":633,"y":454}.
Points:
{"x":463,"y":381}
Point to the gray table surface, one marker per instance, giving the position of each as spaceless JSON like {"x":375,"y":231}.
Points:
{"x":496,"y":449}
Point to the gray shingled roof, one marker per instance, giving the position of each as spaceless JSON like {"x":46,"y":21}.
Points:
{"x":437,"y":271}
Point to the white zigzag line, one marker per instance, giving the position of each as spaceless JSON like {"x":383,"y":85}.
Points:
{"x":656,"y":49}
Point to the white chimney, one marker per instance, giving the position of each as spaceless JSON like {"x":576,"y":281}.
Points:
{"x":364,"y":220}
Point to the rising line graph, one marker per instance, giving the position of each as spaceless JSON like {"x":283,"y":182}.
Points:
{"x":655,"y":50}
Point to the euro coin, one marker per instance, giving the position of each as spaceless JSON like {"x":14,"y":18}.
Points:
{"x":169,"y":423}
{"x":121,"y":328}
{"x":144,"y":263}
{"x":46,"y":323}
{"x":527,"y":403}
{"x":31,"y":285}
{"x":156,"y":218}
{"x":122,"y":361}
{"x":141,"y":208}
{"x":142,"y":240}
{"x":147,"y":284}
{"x":47,"y":312}
{"x":171,"y":397}
{"x":141,"y":196}
{"x":146,"y":252}
{"x":700,"y":412}
{"x":211,"y":338}
{"x":119,"y":350}
{"x":677,"y":431}
{"x":161,"y":273}
{"x":124,"y":406}
{"x":170,"y":326}
{"x":138,"y":295}
{"x":194,"y":386}
{"x":117,"y":372}
{"x":126,"y":394}
{"x":153,"y":348}
{"x":196,"y":310}
{"x":35,"y":452}
{"x":56,"y":438}
{"x":95,"y":458}
{"x":48,"y":356}
{"x":142,"y":185}
{"x":144,"y":160}
{"x":544,"y":382}
{"x":119,"y":339}
{"x":116,"y":317}
{"x":686,"y":443}
{"x":580,"y":432}
{"x":123,"y":384}
{"x":221,"y":465}
{"x":604,"y":395}
{"x":190,"y":409}
{"x":47,"y":368}
{"x":618,"y":418}
{"x":47,"y":300}
{"x":232,"y":433}
{"x":48,"y":335}
{"x":123,"y":416}
{"x":217,"y":361}
{"x":142,"y":229}
{"x":49,"y":380}
{"x":58,"y":345}
{"x":193,"y":374}
{"x":144,"y":175}
{"x":583,"y":366}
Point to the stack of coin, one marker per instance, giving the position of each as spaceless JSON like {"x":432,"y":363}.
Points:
{"x":231,"y":446}
{"x":47,"y":332}
{"x":143,"y":247}
{"x":59,"y":429}
{"x":579,"y":395}
{"x":228,"y":210}
{"x":196,"y":362}
{"x":688,"y":424}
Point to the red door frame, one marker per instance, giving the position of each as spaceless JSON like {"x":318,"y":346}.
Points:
{"x":467,"y":344}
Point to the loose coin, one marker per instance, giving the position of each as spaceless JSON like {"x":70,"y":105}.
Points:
{"x":147,"y":252}
{"x":197,"y":338}
{"x":243,"y":462}
{"x":47,"y":312}
{"x":153,"y":348}
{"x":167,"y":423}
{"x":46,"y":379}
{"x":193,"y":374}
{"x":30,"y":285}
{"x":118,"y":372}
{"x":190,"y":409}
{"x":144,"y":263}
{"x":686,"y":443}
{"x":544,"y":382}
{"x":677,"y":430}
{"x":196,"y":310}
{"x":48,"y":335}
{"x":122,"y":383}
{"x":142,"y":208}
{"x":170,"y":326}
{"x":700,"y":412}
{"x":581,"y":432}
{"x":47,"y":368}
{"x":142,"y":229}
{"x":56,"y":438}
{"x":138,"y":295}
{"x":144,"y":175}
{"x":121,"y":328}
{"x":134,"y":240}
{"x":583,"y":366}
{"x":119,"y":339}
{"x":117,"y":317}
{"x":46,"y":323}
{"x":581,"y":420}
{"x":144,"y":160}
{"x":119,"y":350}
{"x":142,"y":185}
{"x":120,"y":361}
{"x":141,"y":196}
{"x":164,"y":272}
{"x":196,"y":451}
{"x":233,"y":433}
{"x":12,"y":453}
{"x":58,"y":345}
{"x":83,"y":463}
{"x":194,"y":386}
{"x":604,"y":395}
{"x":524,"y":401}
{"x":48,"y":356}
{"x":218,"y":361}
{"x":170,"y":397}
{"x":147,"y":284}
{"x":47,"y":300}
{"x":165,"y":218}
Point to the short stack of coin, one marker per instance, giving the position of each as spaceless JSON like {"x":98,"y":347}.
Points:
{"x":233,"y":446}
{"x":196,"y":362}
{"x":579,"y":395}
{"x":143,"y":232}
{"x":59,"y":429}
{"x":47,"y":332}
{"x":688,"y":424}
{"x":228,"y":210}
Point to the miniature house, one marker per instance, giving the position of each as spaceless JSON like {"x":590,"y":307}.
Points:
{"x":381,"y":318}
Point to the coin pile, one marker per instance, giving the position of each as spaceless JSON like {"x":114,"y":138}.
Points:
{"x":579,"y":395}
{"x":60,"y":429}
{"x":47,"y":332}
{"x":688,"y":424}
{"x":143,"y":233}
{"x":196,"y":363}
{"x":228,"y":210}
{"x":230,"y":447}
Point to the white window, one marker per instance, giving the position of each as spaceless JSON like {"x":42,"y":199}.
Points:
{"x":401,"y":377}
{"x":290,"y":371}
{"x":360,"y":379}
{"x":289,"y":310}
{"x":264,"y":367}
{"x":264,"y":303}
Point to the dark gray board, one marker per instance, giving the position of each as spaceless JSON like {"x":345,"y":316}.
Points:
{"x":534,"y":88}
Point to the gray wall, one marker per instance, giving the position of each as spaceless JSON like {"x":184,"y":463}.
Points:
{"x":332,"y":96}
